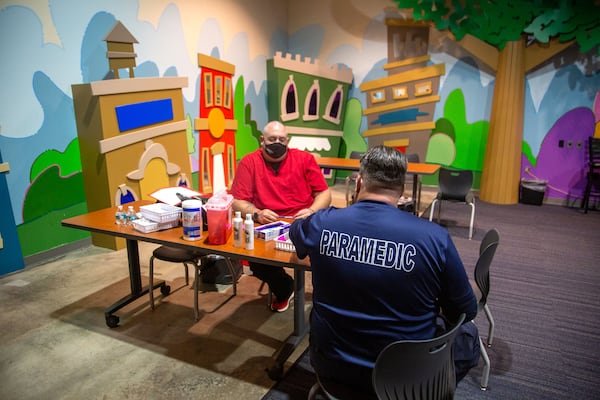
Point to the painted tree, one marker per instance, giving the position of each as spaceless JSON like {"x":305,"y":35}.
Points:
{"x":500,"y":34}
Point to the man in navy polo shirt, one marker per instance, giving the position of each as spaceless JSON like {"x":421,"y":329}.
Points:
{"x":379,"y":274}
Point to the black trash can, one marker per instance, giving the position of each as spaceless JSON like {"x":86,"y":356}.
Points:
{"x":532,"y":191}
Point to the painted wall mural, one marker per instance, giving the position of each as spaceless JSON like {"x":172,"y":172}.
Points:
{"x":63,"y":42}
{"x":310,"y":98}
{"x":400,"y":107}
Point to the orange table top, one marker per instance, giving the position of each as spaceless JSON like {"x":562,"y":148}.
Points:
{"x":103,"y":221}
{"x":353,"y":164}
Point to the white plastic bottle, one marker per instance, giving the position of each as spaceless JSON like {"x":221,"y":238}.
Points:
{"x":238,"y":229}
{"x":249,"y":232}
{"x":119,"y":215}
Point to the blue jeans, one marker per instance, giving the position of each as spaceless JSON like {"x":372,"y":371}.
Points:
{"x":350,"y":375}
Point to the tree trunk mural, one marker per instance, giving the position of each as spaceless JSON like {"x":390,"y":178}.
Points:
{"x":502,"y":164}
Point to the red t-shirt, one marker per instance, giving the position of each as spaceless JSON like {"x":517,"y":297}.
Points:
{"x":292,"y":189}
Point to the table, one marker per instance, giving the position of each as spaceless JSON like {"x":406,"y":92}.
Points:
{"x":103,"y":221}
{"x":353,"y":164}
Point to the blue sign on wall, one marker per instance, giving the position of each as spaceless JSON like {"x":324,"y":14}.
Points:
{"x":132,"y":116}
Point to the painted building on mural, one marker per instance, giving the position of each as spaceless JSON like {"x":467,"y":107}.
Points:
{"x":216,"y":125}
{"x":133,"y":140}
{"x":400,"y":107}
{"x":310,"y":99}
{"x":120,"y":54}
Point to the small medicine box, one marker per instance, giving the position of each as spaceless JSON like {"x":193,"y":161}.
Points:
{"x":271,"y":231}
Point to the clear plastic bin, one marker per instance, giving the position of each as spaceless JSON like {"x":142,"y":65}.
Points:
{"x":147,"y":226}
{"x":161,"y":212}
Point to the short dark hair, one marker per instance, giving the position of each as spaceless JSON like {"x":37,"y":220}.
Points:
{"x":383,"y":167}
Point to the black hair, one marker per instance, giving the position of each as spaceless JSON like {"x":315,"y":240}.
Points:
{"x":383,"y":167}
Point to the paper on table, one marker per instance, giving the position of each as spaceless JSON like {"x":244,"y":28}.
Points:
{"x":169,"y":195}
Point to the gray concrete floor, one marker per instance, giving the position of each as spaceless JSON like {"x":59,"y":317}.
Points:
{"x":54,"y":343}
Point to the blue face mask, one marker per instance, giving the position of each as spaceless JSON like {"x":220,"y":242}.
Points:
{"x":275,"y":150}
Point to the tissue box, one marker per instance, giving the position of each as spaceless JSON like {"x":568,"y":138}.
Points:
{"x":271,"y":231}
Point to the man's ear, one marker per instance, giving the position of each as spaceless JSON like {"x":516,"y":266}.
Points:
{"x":357,"y":185}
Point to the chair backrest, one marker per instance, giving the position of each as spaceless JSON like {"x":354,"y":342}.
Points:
{"x":455,"y":184}
{"x":417,"y":369}
{"x":594,"y":153}
{"x":487,"y":249}
{"x":412,"y":157}
{"x":356,"y":154}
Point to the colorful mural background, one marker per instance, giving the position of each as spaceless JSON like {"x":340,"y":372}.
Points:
{"x":48,"y":46}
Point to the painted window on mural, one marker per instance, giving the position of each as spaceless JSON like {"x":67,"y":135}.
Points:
{"x":230,"y":164}
{"x":334,"y":106}
{"x":423,"y":89}
{"x":399,"y":92}
{"x":218,"y":90}
{"x":205,"y":171}
{"x":378,"y":96}
{"x":311,"y":103}
{"x":208,"y":89}
{"x":227,"y":103}
{"x":289,"y":100}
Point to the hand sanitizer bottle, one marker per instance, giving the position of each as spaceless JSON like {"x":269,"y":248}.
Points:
{"x":238,"y":229}
{"x":249,"y":232}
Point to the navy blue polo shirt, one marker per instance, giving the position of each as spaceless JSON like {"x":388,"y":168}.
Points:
{"x":379,"y":274}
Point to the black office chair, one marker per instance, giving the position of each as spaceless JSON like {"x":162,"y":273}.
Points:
{"x":405,"y":369}
{"x":413,"y":158}
{"x":187,"y":257}
{"x":455,"y":185}
{"x":481,"y":287}
{"x":352,"y":178}
{"x":417,"y":369}
{"x":593,"y":174}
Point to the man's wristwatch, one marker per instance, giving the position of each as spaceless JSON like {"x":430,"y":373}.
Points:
{"x":255,"y":216}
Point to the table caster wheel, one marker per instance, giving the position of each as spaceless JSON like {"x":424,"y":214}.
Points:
{"x":165,"y":290}
{"x":112,"y":321}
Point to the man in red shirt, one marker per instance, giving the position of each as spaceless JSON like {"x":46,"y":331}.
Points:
{"x":276,"y":181}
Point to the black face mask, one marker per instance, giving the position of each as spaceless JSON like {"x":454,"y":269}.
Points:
{"x":275,"y":150}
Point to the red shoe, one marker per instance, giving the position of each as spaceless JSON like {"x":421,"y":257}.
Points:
{"x":281,"y":306}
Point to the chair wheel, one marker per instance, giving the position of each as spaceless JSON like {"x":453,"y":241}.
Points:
{"x":112,"y":321}
{"x":165,"y":290}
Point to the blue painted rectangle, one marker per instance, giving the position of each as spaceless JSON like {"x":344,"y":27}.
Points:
{"x":132,"y":116}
